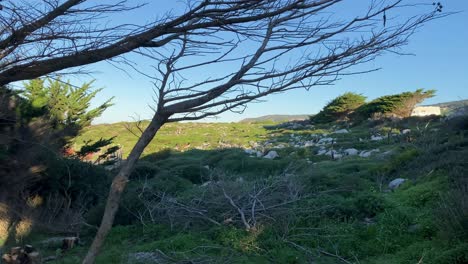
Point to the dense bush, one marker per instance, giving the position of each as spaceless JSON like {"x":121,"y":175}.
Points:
{"x":339,"y":108}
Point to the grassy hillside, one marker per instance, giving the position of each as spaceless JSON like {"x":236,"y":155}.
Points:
{"x":305,"y":206}
{"x":178,"y":136}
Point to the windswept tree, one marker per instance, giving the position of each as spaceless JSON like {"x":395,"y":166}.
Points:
{"x":339,"y":108}
{"x":398,"y":105}
{"x":250,"y":48}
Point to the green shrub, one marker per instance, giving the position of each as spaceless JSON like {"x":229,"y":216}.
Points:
{"x":369,"y":204}
{"x":339,"y":108}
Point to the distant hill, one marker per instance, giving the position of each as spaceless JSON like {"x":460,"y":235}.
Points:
{"x":452,"y":105}
{"x":275,"y":118}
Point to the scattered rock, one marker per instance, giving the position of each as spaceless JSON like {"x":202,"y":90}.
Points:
{"x":259,"y":154}
{"x":396,"y":183}
{"x":376,"y":138}
{"x":326,"y":140}
{"x":321,"y":152}
{"x":337,"y":156}
{"x":271,"y":155}
{"x":331,"y":153}
{"x":250,"y":151}
{"x":367,"y":153}
{"x":351,"y":152}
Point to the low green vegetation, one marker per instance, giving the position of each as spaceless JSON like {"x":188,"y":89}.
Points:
{"x":307,"y":207}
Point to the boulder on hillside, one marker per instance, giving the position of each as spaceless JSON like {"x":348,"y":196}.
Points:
{"x":322,"y":152}
{"x":326,"y":140}
{"x":271,"y":155}
{"x":396,"y":183}
{"x":250,"y":151}
{"x":351,"y":152}
{"x":367,"y":153}
{"x":331,"y":152}
{"x":337,"y":156}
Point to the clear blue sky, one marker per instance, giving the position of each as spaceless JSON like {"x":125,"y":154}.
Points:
{"x":440,"y":62}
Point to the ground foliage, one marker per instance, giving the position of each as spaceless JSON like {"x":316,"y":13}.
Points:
{"x":316,"y":209}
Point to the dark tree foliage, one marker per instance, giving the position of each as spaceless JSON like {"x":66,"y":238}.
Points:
{"x":61,"y":103}
{"x":339,"y":108}
{"x":35,"y":124}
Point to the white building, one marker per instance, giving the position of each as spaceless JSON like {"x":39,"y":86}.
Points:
{"x":426,"y":111}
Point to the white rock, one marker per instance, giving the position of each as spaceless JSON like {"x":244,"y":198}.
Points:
{"x":337,"y":156}
{"x":259,"y":154}
{"x":365,"y":154}
{"x":206,"y":167}
{"x":206,"y":183}
{"x":341,"y":131}
{"x":322,"y":152}
{"x":368,"y":153}
{"x":325,"y":140}
{"x":396,"y":183}
{"x":271,"y":155}
{"x":351,"y":152}
{"x":309,"y":144}
{"x":405,"y":131}
{"x":376,"y":138}
{"x":250,"y":151}
{"x":330,"y":152}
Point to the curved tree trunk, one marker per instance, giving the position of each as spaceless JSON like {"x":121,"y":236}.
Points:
{"x":118,"y":186}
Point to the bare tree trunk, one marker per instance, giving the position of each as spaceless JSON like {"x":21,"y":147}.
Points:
{"x":118,"y":186}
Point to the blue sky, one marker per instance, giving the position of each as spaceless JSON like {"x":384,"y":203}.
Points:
{"x":440,"y":62}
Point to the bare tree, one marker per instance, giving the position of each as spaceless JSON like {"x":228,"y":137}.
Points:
{"x":260,"y":47}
